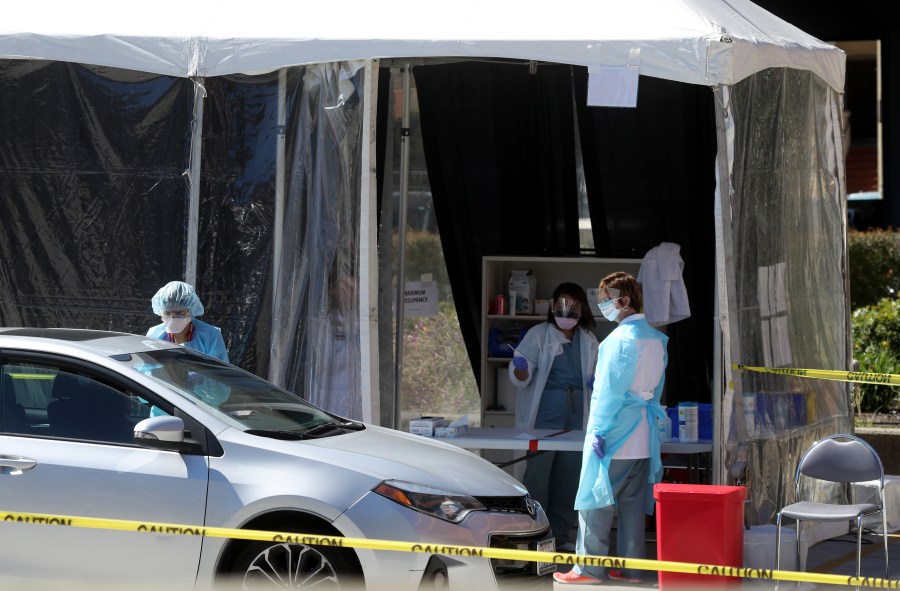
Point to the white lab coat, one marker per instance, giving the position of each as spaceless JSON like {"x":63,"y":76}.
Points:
{"x":660,"y":276}
{"x":540,"y":345}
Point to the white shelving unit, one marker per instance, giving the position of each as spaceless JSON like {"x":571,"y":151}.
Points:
{"x":496,"y":389}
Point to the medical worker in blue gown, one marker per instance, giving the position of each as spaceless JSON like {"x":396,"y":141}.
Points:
{"x":552,"y":368}
{"x":177,"y":304}
{"x":621,"y":459}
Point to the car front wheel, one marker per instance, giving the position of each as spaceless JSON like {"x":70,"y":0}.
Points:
{"x":264,"y":565}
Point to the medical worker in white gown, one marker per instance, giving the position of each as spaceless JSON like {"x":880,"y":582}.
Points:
{"x":552,"y":368}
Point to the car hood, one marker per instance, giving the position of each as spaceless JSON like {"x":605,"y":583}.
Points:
{"x":388,"y":454}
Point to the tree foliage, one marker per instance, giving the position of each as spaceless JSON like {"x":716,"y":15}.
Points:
{"x":876,"y":338}
{"x":874,"y":266}
{"x":874,"y":283}
{"x":437,"y":375}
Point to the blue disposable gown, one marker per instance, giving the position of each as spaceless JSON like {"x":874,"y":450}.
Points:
{"x":615,"y":413}
{"x":206,"y":339}
{"x":540,"y":345}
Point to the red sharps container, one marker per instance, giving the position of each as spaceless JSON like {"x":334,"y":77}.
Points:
{"x":701,"y":524}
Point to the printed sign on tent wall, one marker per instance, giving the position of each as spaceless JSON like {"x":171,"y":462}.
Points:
{"x":420,"y":297}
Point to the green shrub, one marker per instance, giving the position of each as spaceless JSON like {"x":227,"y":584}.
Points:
{"x":424,"y":255}
{"x":874,"y":266}
{"x":876,"y":336}
{"x":437,"y":375}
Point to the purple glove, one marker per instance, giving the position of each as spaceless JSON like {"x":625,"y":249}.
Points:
{"x":590,"y":383}
{"x":194,"y":378}
{"x":598,"y":446}
{"x":520,"y":363}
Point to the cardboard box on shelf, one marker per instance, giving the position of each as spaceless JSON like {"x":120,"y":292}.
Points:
{"x":425,"y":425}
{"x":457,"y":428}
{"x":522,"y":289}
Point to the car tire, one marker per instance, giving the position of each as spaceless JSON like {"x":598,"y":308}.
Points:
{"x":283,"y":565}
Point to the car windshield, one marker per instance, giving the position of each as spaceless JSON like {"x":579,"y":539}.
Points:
{"x":237,"y":397}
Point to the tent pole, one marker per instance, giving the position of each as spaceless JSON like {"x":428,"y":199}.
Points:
{"x":368,"y":255}
{"x":193,"y":174}
{"x":401,"y":248}
{"x":278,"y":230}
{"x":727,"y":382}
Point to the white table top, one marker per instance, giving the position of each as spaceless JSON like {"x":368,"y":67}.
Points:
{"x":551,"y":440}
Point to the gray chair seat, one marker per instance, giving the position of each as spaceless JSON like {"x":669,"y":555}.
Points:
{"x":810,"y":511}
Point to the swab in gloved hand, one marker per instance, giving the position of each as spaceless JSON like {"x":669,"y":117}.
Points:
{"x":520,"y":362}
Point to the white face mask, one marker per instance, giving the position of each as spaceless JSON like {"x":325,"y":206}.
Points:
{"x":566,"y":323}
{"x":609,"y":310}
{"x":176,"y":325}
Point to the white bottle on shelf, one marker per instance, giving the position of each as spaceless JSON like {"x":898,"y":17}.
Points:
{"x":665,"y":427}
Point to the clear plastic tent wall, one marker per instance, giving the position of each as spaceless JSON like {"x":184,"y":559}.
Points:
{"x":93,"y":164}
{"x":789,"y":235}
{"x":316,"y":339}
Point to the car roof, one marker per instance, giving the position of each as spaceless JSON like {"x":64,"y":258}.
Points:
{"x":101,"y":342}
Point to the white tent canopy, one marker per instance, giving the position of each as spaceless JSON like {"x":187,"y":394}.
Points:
{"x":707,"y":42}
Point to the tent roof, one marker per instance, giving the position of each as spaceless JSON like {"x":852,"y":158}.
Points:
{"x":707,"y":42}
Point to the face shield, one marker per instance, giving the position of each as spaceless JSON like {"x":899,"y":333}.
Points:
{"x":566,"y":312}
{"x":566,"y":307}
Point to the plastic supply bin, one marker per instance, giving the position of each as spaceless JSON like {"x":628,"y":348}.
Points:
{"x":701,"y":524}
{"x":672,"y":411}
{"x":704,"y":427}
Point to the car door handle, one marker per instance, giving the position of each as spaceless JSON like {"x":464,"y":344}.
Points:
{"x":14,"y":465}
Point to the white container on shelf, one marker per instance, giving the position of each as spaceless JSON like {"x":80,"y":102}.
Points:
{"x":506,"y":391}
{"x":688,"y":422}
{"x":665,"y":427}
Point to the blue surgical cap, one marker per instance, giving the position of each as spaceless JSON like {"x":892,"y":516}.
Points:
{"x":177,"y":295}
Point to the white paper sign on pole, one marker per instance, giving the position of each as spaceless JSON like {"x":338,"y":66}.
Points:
{"x":420,"y":298}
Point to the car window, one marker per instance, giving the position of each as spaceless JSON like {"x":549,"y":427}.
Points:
{"x":236,"y":397}
{"x":45,"y":400}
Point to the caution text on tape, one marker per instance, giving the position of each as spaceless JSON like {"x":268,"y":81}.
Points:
{"x":860,"y":377}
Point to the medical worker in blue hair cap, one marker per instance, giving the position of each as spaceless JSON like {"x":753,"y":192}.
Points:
{"x":178,"y":306}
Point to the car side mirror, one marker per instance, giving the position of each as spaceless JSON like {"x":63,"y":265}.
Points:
{"x":169,"y":429}
{"x":163,"y":433}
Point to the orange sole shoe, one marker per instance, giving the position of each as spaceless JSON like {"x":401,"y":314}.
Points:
{"x":617,"y":575}
{"x":573,"y":578}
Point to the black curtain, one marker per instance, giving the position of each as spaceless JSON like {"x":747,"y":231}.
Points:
{"x":650,"y":175}
{"x":94,"y":200}
{"x":499,"y":142}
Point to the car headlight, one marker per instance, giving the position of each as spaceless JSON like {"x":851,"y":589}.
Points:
{"x":443,"y":504}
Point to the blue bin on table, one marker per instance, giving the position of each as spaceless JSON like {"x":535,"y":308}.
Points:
{"x":672,"y":411}
{"x":704,"y":428}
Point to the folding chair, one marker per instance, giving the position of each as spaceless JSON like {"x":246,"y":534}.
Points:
{"x":837,"y":458}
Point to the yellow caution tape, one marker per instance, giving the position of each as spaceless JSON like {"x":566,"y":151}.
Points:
{"x":860,"y":377}
{"x":446,"y":549}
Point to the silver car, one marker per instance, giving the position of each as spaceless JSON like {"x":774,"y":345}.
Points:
{"x":111,"y":425}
